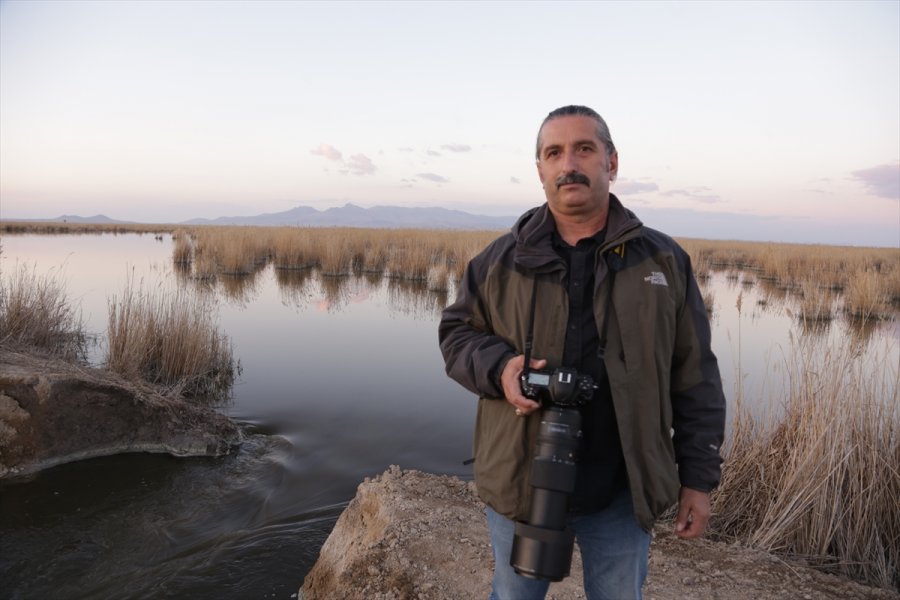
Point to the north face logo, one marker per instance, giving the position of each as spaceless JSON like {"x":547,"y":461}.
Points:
{"x":657,"y":278}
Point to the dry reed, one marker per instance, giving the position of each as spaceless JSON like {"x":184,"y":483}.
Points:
{"x":183,"y":250}
{"x":170,"y":338}
{"x":832,"y":268}
{"x":819,"y":477}
{"x":35,"y":313}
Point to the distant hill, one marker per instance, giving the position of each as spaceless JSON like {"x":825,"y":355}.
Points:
{"x":348,"y":215}
{"x":351,"y":215}
{"x":73,"y":219}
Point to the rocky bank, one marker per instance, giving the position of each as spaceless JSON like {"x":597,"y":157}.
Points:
{"x":53,"y":412}
{"x":412,"y":535}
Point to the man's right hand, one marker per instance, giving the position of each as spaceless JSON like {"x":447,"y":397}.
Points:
{"x":512,"y":389}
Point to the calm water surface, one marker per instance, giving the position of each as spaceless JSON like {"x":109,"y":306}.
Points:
{"x":341,"y":378}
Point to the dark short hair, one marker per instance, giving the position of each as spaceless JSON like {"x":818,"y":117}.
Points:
{"x":574,"y":109}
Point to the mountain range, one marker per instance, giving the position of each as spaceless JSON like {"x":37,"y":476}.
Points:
{"x":351,"y":215}
{"x":348,"y":215}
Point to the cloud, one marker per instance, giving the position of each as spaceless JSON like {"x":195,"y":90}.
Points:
{"x":328,"y":151}
{"x":514,"y":180}
{"x":457,"y":147}
{"x":697,"y":194}
{"x":360,"y":164}
{"x":625,"y":187}
{"x":405,"y":149}
{"x":433,"y":177}
{"x":433,"y":153}
{"x":882,"y":181}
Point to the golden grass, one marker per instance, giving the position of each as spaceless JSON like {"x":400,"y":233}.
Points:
{"x":434,"y":256}
{"x":870,"y":277}
{"x":819,"y":476}
{"x":170,"y":338}
{"x":61,"y":227}
{"x":866,"y":281}
{"x":35,"y":313}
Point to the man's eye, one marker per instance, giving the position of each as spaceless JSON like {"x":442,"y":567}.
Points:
{"x":587,"y":149}
{"x":552,"y":153}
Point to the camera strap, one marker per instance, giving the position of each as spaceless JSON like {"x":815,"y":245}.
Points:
{"x":529,"y":338}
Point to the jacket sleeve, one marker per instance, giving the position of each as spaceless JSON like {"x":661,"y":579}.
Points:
{"x":698,"y":403}
{"x":473,"y":355}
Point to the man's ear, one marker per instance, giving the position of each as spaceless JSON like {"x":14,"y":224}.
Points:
{"x":613,"y":166}
{"x":537,"y":163}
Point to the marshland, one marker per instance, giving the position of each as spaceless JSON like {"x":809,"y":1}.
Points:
{"x":323,"y":343}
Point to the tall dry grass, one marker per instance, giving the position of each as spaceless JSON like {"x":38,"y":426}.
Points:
{"x":819,"y":476}
{"x":170,"y":338}
{"x":839,"y":269}
{"x":62,"y":227}
{"x":35,"y":312}
{"x":434,"y":256}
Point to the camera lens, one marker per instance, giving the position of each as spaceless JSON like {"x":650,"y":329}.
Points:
{"x":542,"y":546}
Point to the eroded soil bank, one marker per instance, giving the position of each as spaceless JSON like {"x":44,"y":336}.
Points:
{"x":412,"y":535}
{"x":53,"y":412}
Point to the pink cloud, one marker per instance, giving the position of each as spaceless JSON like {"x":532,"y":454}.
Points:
{"x":360,"y":164}
{"x":328,"y":151}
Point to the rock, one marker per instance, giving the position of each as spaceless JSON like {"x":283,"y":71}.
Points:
{"x":409,"y":535}
{"x":54,"y":412}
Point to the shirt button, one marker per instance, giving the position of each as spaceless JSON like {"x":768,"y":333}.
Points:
{"x":572,"y":327}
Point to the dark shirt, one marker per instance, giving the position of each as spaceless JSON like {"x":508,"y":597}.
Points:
{"x":601,"y":465}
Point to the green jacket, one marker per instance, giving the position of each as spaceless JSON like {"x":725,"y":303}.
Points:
{"x":664,"y":378}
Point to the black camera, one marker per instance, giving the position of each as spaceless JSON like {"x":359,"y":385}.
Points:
{"x":563,"y":387}
{"x":542,"y":546}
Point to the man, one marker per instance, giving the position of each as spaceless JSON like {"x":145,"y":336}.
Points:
{"x":618,"y":302}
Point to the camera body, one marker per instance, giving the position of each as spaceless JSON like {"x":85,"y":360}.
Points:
{"x":542,"y":546}
{"x":562,"y":386}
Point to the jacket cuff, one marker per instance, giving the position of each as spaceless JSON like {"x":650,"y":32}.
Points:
{"x":497,"y":371}
{"x":695,"y":482}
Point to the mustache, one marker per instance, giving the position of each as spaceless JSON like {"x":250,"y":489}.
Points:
{"x":572,"y":178}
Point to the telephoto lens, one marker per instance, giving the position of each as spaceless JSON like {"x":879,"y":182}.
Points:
{"x":542,"y":546}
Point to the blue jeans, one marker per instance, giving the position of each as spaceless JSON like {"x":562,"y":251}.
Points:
{"x":614,"y":553}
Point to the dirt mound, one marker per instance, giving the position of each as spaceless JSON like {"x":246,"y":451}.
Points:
{"x":412,"y":535}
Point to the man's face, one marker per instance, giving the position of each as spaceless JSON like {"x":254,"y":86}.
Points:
{"x":573,"y":166}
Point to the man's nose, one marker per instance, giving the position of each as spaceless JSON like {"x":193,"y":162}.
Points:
{"x":570,"y":162}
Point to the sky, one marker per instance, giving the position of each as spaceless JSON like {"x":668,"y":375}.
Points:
{"x":761,"y":120}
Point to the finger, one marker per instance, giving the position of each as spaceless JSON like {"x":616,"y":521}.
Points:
{"x":537,"y":363}
{"x":682,"y":520}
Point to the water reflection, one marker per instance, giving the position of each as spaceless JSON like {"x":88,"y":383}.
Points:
{"x":240,"y":288}
{"x":293,"y":284}
{"x":416,"y":299}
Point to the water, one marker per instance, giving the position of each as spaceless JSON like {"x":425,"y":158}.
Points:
{"x":341,"y":378}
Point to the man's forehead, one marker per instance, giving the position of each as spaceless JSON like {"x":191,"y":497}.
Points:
{"x":568,"y":128}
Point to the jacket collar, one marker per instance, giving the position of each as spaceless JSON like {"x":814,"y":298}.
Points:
{"x":534,"y":230}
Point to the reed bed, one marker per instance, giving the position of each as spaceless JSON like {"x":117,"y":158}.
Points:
{"x":819,"y":476}
{"x":435,"y":256}
{"x":36,"y":313}
{"x":875,"y":295}
{"x":170,"y":338}
{"x":419,"y":254}
{"x":862,"y":282}
{"x":183,"y":249}
{"x":816,"y":303}
{"x":63,"y":227}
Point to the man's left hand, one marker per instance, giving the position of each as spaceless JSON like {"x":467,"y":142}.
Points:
{"x":693,"y":513}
